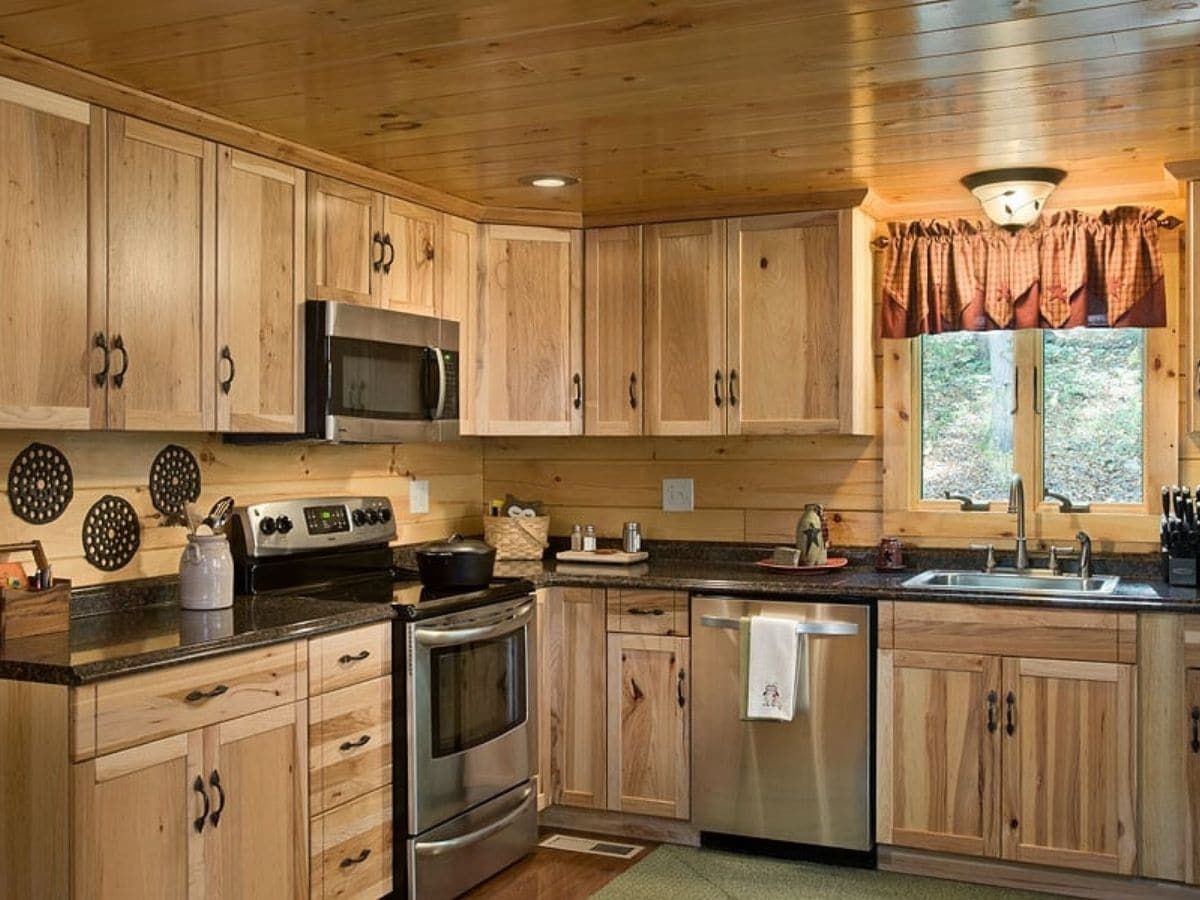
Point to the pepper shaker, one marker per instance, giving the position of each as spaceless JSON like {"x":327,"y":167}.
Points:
{"x":576,"y":537}
{"x":589,"y":539}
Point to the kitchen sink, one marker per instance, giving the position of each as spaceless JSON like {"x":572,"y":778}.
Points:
{"x":1012,"y":582}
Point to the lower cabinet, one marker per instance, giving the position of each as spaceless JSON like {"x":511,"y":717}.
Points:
{"x":1193,"y":770}
{"x":218,"y":811}
{"x":577,"y":651}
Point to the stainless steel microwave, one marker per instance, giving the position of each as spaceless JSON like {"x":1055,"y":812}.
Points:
{"x":379,"y":376}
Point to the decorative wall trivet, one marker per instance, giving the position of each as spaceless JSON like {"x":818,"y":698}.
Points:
{"x":111,"y":533}
{"x":40,"y":484}
{"x":174,"y":481}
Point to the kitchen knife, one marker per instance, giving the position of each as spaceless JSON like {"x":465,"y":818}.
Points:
{"x":1166,"y":500}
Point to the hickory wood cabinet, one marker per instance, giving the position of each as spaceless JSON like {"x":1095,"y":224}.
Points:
{"x":622,"y":676}
{"x":614,"y":380}
{"x":1009,"y":733}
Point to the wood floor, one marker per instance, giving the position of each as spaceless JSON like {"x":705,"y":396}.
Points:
{"x":556,"y":874}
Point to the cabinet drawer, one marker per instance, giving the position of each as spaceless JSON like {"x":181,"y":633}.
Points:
{"x":648,"y":612}
{"x":352,"y":849}
{"x":140,"y":708}
{"x":348,"y":657}
{"x":349,"y":742}
{"x":1009,"y":631}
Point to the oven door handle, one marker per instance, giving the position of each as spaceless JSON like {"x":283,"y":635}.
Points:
{"x":437,"y":848}
{"x":441,"y":637}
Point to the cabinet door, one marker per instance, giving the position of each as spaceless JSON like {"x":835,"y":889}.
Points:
{"x":1069,"y":764}
{"x":412,"y":237}
{"x":649,"y":746}
{"x":684,"y":270}
{"x":529,"y":334}
{"x":259,"y":846}
{"x":575,"y":644}
{"x":612,"y":300}
{"x":45,"y":169}
{"x":939,"y":752}
{"x":458,"y":260}
{"x":134,"y":826}
{"x":161,"y":247}
{"x":785,"y":339}
{"x":345,"y":250}
{"x":260,"y":293}
{"x":1193,"y":790}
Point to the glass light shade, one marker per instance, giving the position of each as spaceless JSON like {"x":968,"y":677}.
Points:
{"x":1013,"y":198}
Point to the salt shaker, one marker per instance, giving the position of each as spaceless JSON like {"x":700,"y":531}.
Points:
{"x":631,"y":537}
{"x":589,"y":539}
{"x":576,"y":537}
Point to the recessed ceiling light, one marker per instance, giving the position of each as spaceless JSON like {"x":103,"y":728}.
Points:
{"x":547,"y":180}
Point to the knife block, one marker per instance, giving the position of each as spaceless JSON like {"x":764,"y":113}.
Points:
{"x":1180,"y":571}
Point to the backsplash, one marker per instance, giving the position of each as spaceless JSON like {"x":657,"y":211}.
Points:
{"x":119,"y":463}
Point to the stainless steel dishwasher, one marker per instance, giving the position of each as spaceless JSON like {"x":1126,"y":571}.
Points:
{"x":807,"y":781}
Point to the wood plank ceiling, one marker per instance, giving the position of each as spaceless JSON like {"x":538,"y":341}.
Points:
{"x":665,"y":104}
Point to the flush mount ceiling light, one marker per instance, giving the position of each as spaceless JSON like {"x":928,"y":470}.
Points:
{"x":549,"y":180}
{"x":1013,"y":198}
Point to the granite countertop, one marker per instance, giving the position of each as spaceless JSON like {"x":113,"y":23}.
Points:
{"x":147,"y":636}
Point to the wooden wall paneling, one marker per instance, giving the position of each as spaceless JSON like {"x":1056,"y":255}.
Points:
{"x":411,"y":276}
{"x":260,"y":293}
{"x":685,"y":343}
{"x":345,"y":253}
{"x":45,"y":178}
{"x":614,"y":378}
{"x":161,"y":262}
{"x":579,"y":714}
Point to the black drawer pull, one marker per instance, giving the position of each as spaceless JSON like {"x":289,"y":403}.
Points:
{"x":354,"y":861}
{"x":354,"y":745}
{"x":991,"y":704}
{"x":197,"y":696}
{"x":198,"y":787}
{"x":1010,"y":702}
{"x":638,"y":611}
{"x":346,"y":658}
{"x":215,"y":781}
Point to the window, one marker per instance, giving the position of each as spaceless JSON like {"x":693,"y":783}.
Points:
{"x":1076,"y":428}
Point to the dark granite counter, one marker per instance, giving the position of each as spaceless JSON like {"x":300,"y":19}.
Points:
{"x":149,"y":635}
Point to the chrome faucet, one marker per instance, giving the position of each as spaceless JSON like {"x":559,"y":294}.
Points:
{"x":1085,"y":554}
{"x":1016,"y":504}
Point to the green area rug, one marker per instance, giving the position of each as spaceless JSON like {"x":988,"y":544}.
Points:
{"x":687,"y":873}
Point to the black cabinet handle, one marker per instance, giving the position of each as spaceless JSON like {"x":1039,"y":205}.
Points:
{"x":1010,"y":703}
{"x":377,"y":264}
{"x":638,"y":611}
{"x":99,"y":343}
{"x":198,"y":787}
{"x":119,"y":376}
{"x":632,"y":390}
{"x":577,"y":383}
{"x":354,"y":745}
{"x":346,"y":658}
{"x":679,"y":688}
{"x":215,"y":780}
{"x":991,"y":709}
{"x":391,"y":257}
{"x":355,"y":860}
{"x":1196,"y":729}
{"x":717,"y":387}
{"x":227,"y":355}
{"x":197,"y":696}
{"x":733,"y":387}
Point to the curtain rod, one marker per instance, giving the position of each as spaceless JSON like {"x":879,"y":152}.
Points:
{"x":1168,"y":222}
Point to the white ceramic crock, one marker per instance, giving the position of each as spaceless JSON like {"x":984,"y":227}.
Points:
{"x":206,"y":573}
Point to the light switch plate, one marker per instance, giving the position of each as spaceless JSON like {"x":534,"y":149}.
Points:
{"x":678,"y":495}
{"x":418,"y":497}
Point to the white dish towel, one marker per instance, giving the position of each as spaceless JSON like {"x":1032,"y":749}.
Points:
{"x":769,"y":666}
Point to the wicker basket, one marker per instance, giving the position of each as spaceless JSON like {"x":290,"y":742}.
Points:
{"x":517,"y":538}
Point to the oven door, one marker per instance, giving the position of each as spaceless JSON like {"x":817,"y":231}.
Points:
{"x":470,"y":692}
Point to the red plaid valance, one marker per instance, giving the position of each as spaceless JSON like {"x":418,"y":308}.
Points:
{"x":1072,"y":269}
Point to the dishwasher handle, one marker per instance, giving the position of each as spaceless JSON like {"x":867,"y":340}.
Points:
{"x":832,"y":629}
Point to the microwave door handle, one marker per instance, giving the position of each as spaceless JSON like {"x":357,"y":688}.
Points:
{"x":442,"y":637}
{"x":441,"y":376}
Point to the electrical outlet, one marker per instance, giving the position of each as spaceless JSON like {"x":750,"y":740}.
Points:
{"x":677,"y":495}
{"x":418,"y":497}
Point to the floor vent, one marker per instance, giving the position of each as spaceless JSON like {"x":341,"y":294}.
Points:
{"x":591,"y":845}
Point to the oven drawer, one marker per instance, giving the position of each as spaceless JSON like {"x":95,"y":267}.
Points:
{"x":352,"y":849}
{"x":349,"y":742}
{"x":452,"y":858}
{"x":139,"y":708}
{"x":349,"y":657}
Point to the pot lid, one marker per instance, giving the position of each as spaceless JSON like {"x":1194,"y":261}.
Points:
{"x":459,"y":545}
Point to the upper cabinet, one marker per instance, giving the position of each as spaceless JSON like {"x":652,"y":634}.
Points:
{"x":526,"y":368}
{"x":45,"y":168}
{"x":161,"y":303}
{"x":260,"y":293}
{"x":614,"y":380}
{"x":411,"y":234}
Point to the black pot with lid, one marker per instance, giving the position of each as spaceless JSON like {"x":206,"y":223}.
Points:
{"x":456,"y":562}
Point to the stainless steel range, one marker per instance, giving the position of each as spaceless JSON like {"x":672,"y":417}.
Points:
{"x":463,"y":684}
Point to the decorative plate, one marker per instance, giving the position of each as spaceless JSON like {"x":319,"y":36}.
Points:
{"x":174,"y":481}
{"x":111,"y":533}
{"x":834,"y":562}
{"x":40,"y":484}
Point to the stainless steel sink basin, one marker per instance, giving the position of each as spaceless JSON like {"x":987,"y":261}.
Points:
{"x":1028,"y":583}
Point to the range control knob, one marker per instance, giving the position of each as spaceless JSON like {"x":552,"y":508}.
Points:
{"x":359,"y":517}
{"x":372,"y":516}
{"x":267,"y":526}
{"x":284,"y":524}
{"x":385,"y":515}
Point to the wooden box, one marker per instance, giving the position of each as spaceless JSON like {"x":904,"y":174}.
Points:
{"x":24,"y":613}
